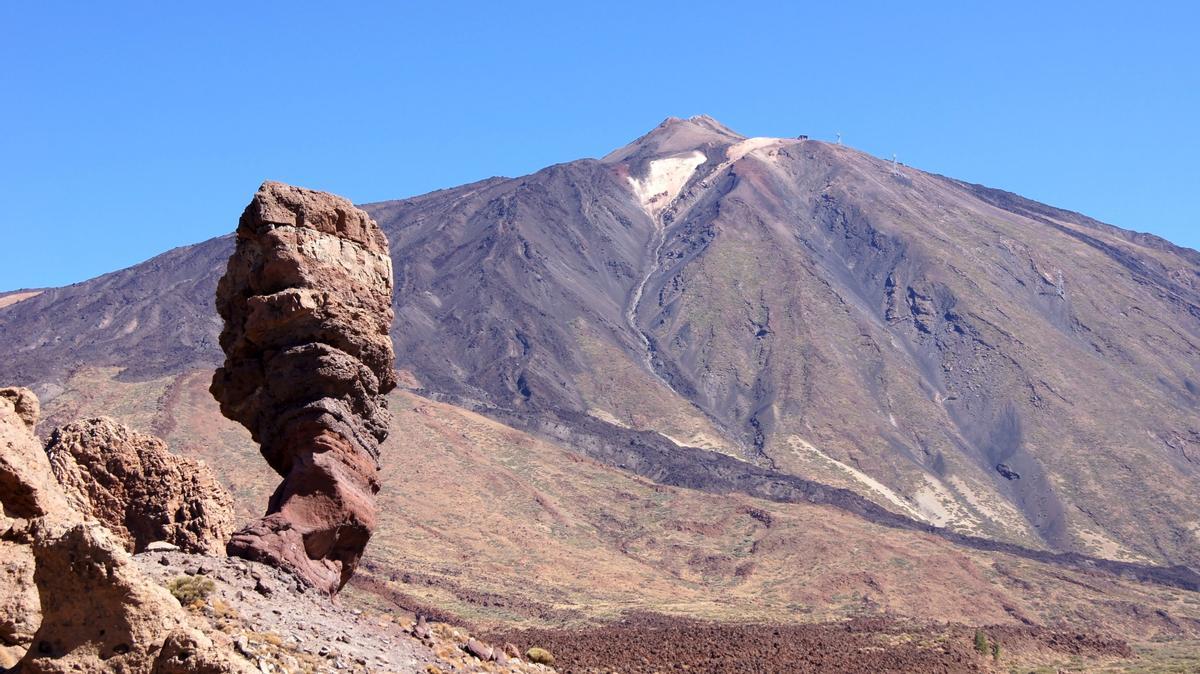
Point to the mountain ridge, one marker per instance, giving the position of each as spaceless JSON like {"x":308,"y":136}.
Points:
{"x":808,"y":308}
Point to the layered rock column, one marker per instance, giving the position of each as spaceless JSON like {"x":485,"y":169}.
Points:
{"x":307,"y":304}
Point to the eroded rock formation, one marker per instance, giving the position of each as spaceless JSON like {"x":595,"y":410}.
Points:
{"x":28,"y":493}
{"x":24,"y":404}
{"x":71,"y":600}
{"x":28,"y":489}
{"x":306,"y":300}
{"x":132,"y":483}
{"x":100,"y":613}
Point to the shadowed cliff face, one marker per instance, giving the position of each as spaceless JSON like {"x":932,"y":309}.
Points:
{"x":956,"y":354}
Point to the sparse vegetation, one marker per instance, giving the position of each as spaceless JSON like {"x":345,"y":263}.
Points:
{"x":269,"y":638}
{"x":981,"y":642}
{"x":996,"y":651}
{"x":190,"y":590}
{"x":539,"y":656}
{"x":221,"y":610}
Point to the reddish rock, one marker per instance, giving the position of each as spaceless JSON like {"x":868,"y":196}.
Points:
{"x":28,"y":489}
{"x":421,"y":629}
{"x":307,"y":304}
{"x":140,"y":490}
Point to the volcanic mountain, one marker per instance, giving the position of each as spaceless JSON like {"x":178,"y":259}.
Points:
{"x":742,"y":314}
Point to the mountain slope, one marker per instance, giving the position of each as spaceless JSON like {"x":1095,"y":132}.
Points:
{"x":958,"y":355}
{"x":500,"y":527}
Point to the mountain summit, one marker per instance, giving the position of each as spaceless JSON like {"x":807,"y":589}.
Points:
{"x":675,"y":135}
{"x":775,"y":308}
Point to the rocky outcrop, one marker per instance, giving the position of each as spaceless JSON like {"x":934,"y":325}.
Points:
{"x":28,"y":489}
{"x":28,"y":493}
{"x":24,"y":403}
{"x":100,"y":613}
{"x":70,"y":598}
{"x":140,"y":490}
{"x":19,"y":613}
{"x":306,"y":300}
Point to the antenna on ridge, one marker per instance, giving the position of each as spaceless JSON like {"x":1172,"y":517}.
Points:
{"x":895,"y":166}
{"x":839,"y":135}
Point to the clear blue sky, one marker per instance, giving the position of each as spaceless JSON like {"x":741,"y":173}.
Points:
{"x":130,"y":128}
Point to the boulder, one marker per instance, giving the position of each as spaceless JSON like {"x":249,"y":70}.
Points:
{"x":71,"y":599}
{"x":307,"y":304}
{"x":100,"y":614}
{"x":478,"y":649}
{"x":24,"y":403}
{"x":140,"y":490}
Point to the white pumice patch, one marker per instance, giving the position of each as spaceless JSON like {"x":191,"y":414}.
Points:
{"x":664,"y":180}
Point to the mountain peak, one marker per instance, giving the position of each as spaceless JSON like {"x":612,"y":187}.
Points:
{"x":711,"y":124}
{"x":676,"y":135}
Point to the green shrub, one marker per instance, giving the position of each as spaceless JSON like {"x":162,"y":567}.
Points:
{"x":981,"y":642}
{"x":191,"y":589}
{"x":539,"y":656}
{"x":996,"y":650}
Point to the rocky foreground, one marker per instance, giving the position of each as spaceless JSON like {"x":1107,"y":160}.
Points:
{"x":96,"y":580}
{"x":277,"y":623}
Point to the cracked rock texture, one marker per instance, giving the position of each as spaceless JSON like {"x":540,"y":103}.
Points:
{"x":26,"y":482}
{"x":71,"y":600}
{"x":101,"y":614}
{"x":28,"y":493}
{"x":306,"y":300}
{"x":132,"y":483}
{"x":24,"y":404}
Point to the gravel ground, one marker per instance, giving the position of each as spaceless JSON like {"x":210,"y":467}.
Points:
{"x":282,"y":627}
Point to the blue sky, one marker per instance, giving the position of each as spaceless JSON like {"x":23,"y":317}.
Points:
{"x":130,"y":128}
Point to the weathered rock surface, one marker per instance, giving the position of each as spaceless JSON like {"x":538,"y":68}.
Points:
{"x":28,"y":493}
{"x":70,"y":598}
{"x":101,"y":614}
{"x":132,"y":483}
{"x":306,"y":300}
{"x":28,"y":489}
{"x":19,"y":613}
{"x":24,"y":403}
